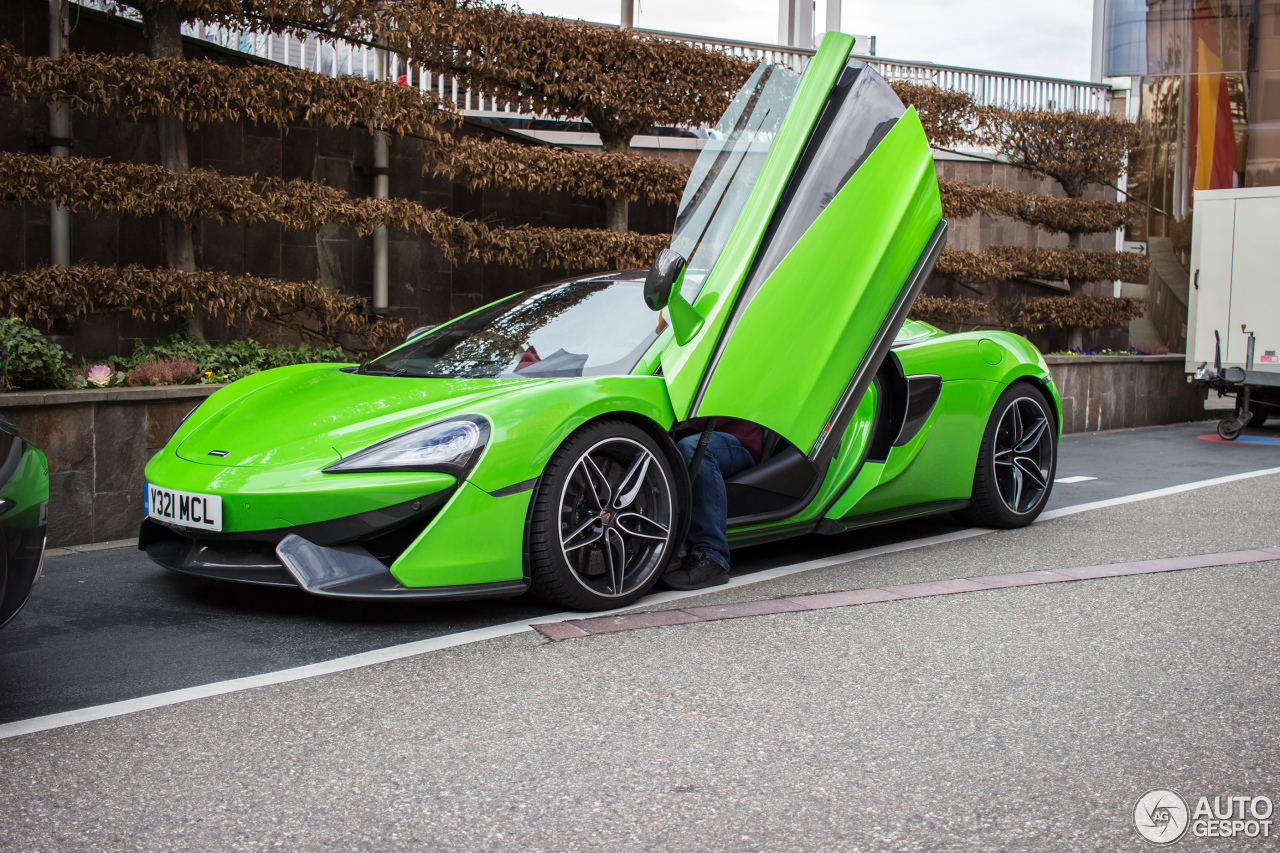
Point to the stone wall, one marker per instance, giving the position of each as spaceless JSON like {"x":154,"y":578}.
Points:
{"x":98,"y":443}
{"x":1116,"y":392}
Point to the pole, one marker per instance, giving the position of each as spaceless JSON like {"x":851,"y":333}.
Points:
{"x":381,"y":189}
{"x":60,"y":133}
{"x":833,"y":16}
{"x":804,"y":23}
{"x":628,"y":14}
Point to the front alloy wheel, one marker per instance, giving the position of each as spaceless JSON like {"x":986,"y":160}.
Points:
{"x":1017,"y":460}
{"x":603,"y":521}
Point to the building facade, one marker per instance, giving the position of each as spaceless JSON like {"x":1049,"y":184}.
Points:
{"x":1204,"y":81}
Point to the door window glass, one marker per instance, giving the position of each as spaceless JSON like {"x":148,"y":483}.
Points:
{"x":860,"y":112}
{"x":727,"y":169}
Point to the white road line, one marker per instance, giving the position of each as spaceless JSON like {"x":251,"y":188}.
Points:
{"x":1154,"y":493}
{"x":404,"y":650}
{"x":1079,"y":478}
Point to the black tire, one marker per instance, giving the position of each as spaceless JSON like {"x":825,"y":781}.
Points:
{"x":1228,"y":429}
{"x":637,"y":524}
{"x":1009,"y":494}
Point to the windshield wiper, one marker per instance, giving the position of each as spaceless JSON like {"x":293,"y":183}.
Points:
{"x":365,"y":370}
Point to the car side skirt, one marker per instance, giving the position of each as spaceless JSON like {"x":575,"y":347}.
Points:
{"x":830,"y":526}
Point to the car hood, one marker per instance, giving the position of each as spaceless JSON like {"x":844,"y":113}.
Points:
{"x":323,"y":415}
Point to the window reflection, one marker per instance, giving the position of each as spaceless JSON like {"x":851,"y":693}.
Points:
{"x":576,"y":328}
{"x":1205,"y":87}
{"x":727,"y":169}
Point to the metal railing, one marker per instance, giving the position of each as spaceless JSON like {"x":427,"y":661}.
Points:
{"x":987,"y":88}
{"x":994,"y":89}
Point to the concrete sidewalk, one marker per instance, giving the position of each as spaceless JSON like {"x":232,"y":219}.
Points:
{"x":1027,"y":718}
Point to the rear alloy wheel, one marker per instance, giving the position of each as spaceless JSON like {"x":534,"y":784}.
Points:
{"x":1017,"y":460}
{"x":604,"y":519}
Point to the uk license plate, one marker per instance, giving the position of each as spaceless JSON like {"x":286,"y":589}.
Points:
{"x":188,"y":509}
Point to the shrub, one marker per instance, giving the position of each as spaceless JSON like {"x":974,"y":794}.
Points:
{"x":1083,"y":312}
{"x":34,"y":361}
{"x":171,"y":370}
{"x":940,"y":309}
{"x":229,"y":361}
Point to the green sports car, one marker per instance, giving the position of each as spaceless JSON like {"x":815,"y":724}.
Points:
{"x":529,"y":444}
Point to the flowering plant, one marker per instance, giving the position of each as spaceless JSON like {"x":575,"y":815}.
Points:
{"x":97,"y":376}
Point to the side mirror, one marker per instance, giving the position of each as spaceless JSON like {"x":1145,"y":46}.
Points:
{"x":662,"y":290}
{"x":665,"y":274}
{"x":421,"y":330}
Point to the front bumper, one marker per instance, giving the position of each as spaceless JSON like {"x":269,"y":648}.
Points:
{"x":343,"y":558}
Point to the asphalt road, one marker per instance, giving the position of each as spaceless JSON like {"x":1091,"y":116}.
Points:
{"x":107,"y":626}
{"x":1012,"y":719}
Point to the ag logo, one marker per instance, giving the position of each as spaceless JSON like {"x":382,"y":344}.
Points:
{"x":1161,"y":817}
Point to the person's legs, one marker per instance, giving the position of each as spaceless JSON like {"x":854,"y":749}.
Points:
{"x":708,"y":517}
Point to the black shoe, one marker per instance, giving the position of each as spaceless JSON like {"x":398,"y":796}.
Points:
{"x":698,"y":571}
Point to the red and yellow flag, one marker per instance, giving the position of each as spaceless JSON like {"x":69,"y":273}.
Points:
{"x":1213,"y":136}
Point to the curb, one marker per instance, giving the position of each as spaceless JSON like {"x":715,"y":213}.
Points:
{"x":91,"y":547}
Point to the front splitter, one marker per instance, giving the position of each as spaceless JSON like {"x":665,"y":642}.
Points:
{"x":351,"y":572}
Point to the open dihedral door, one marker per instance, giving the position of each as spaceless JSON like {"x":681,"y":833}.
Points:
{"x":846,"y":246}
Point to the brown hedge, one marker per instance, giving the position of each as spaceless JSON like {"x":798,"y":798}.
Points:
{"x":136,"y":189}
{"x":998,"y":263}
{"x":199,"y":91}
{"x":1074,"y":148}
{"x":509,"y":166}
{"x":1089,"y":312}
{"x":49,"y":294}
{"x":949,"y":117}
{"x":964,"y":265}
{"x":941,"y":309}
{"x":621,"y":80}
{"x":1072,"y":264}
{"x":1052,"y":213}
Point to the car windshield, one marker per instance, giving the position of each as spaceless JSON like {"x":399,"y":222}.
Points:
{"x":727,"y":168}
{"x":578,"y":328}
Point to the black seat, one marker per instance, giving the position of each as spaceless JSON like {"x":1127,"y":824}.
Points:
{"x":783,"y":478}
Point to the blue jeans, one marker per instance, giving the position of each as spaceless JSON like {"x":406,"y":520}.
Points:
{"x":709,"y":515}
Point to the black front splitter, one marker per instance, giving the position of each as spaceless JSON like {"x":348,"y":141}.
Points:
{"x":355,"y":573}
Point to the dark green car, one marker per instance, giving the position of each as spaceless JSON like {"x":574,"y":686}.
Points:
{"x":528,"y":445}
{"x":24,"y":512}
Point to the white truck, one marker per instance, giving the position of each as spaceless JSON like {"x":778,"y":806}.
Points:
{"x":1233,"y":322}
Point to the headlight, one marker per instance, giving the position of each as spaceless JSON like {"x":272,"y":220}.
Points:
{"x":451,"y":446}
